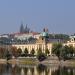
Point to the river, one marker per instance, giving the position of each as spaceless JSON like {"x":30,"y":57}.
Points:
{"x":8,"y":69}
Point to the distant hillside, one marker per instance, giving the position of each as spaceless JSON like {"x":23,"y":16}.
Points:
{"x":59,"y":36}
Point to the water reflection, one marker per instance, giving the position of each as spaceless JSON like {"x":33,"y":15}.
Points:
{"x":7,"y":69}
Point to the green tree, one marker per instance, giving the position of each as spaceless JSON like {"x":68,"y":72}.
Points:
{"x":67,"y":52}
{"x":64,"y":52}
{"x":62,"y":36}
{"x":47,"y":52}
{"x":8,"y":55}
{"x":19,"y":51}
{"x":71,"y":50}
{"x":39,"y":51}
{"x":57,"y":49}
{"x":40,"y":56}
{"x":26,"y":51}
{"x":32,"y":52}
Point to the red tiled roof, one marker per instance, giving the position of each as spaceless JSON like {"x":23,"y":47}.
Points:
{"x":18,"y":33}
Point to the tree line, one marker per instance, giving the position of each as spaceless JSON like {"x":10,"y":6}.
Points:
{"x":63,"y":52}
{"x":59,"y":36}
{"x":14,"y":52}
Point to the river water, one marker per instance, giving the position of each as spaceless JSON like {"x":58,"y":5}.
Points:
{"x":8,"y":69}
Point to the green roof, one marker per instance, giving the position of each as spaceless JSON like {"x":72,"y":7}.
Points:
{"x":44,"y":34}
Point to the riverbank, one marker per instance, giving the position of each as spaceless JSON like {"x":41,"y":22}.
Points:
{"x":36,"y":62}
{"x":45,"y":62}
{"x":3,"y":61}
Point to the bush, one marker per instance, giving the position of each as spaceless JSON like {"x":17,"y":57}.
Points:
{"x":41,"y":57}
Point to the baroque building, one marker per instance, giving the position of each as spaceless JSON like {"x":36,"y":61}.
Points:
{"x":34,"y":43}
{"x":31,"y":40}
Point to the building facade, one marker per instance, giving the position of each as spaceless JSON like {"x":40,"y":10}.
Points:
{"x":71,"y":42}
{"x":35,"y":44}
{"x":32,"y":40}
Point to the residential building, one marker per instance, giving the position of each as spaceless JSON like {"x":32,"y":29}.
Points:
{"x":71,"y":42}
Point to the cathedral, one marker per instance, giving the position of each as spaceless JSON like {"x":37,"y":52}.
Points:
{"x":24,"y":30}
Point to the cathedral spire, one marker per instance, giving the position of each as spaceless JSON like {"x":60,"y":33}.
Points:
{"x":26,"y":30}
{"x":21,"y":28}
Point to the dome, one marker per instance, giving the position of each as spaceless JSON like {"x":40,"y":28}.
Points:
{"x":44,"y":34}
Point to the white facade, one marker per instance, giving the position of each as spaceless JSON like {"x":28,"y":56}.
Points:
{"x":23,"y":36}
{"x":71,"y":42}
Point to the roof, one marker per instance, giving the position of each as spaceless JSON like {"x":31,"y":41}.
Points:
{"x":18,"y":33}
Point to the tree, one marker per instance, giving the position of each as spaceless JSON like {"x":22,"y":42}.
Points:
{"x":39,"y":51}
{"x":56,"y":49}
{"x":19,"y":51}
{"x":26,"y":51}
{"x":32,"y":52}
{"x":8,"y":54}
{"x":67,"y":52}
{"x":71,"y":50}
{"x":47,"y":52}
{"x":64,"y":52}
{"x":2,"y":50}
{"x":40,"y":56}
{"x":14,"y":51}
{"x":62,"y":36}
{"x":59,"y":36}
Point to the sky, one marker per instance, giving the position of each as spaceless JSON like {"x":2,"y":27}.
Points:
{"x":56,"y":15}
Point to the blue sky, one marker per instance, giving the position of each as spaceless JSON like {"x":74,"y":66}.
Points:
{"x":57,"y":15}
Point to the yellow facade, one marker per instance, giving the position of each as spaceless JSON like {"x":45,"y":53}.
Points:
{"x":40,"y":43}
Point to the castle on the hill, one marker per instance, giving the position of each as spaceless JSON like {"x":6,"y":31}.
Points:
{"x":32,"y":40}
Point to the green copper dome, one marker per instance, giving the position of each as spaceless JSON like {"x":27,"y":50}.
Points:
{"x":44,"y":34}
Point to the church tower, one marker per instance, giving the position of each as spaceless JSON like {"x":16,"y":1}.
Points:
{"x":21,"y":28}
{"x":26,"y":30}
